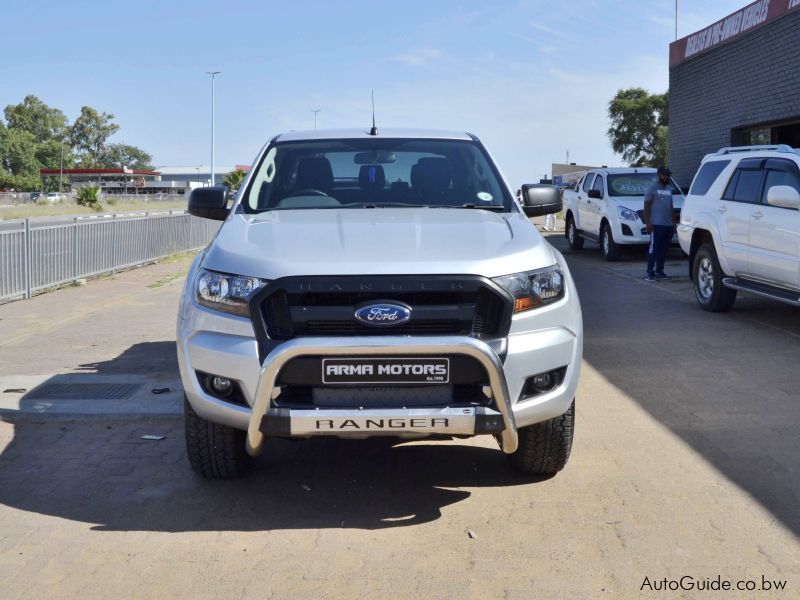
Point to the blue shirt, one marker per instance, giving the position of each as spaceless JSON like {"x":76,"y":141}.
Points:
{"x":661,"y":209}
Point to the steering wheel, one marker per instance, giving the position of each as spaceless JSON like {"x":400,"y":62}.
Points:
{"x":306,"y":192}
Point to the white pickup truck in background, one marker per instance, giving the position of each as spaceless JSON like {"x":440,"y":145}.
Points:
{"x":607,"y":206}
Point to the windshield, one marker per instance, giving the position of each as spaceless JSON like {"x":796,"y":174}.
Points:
{"x":634,"y":184}
{"x":375,"y":173}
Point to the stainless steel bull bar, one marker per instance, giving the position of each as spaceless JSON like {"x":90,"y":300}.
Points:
{"x":381,"y":346}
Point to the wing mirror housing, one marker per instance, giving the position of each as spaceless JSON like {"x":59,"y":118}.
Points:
{"x":596,"y":194}
{"x":540,"y":199}
{"x":783,"y":196}
{"x":209,"y":203}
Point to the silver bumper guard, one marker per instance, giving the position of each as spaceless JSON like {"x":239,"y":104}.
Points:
{"x":448,"y":421}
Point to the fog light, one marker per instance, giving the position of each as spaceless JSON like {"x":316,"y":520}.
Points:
{"x":543,"y":381}
{"x":221,"y":385}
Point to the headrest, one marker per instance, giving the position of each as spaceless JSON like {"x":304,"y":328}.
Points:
{"x":314,"y":173}
{"x":432,"y":175}
{"x":371,"y":177}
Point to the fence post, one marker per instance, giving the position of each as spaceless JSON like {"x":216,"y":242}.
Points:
{"x":147,"y":254}
{"x":75,"y":250}
{"x":114,"y":244}
{"x":28,"y":269}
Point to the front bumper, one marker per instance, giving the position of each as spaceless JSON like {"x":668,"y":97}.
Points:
{"x":539,"y":341}
{"x":430,"y":421}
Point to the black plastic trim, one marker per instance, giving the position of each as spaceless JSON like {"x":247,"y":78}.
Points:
{"x":377,"y":284}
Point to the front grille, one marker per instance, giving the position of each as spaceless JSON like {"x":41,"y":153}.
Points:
{"x":293,"y":308}
{"x":355,"y":328}
{"x":307,"y":397}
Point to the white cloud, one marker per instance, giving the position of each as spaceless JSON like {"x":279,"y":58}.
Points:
{"x":420,"y":57}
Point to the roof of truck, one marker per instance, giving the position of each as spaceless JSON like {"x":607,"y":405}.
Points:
{"x":338,"y":134}
{"x":626,"y":170}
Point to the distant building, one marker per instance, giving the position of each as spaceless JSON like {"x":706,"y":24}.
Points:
{"x":735,"y":83}
{"x":197,"y":175}
{"x":165,"y":181}
{"x":568,"y":174}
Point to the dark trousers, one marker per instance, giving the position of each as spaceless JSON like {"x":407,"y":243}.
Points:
{"x":660,"y":239}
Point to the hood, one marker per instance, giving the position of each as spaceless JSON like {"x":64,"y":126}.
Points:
{"x":377,"y":241}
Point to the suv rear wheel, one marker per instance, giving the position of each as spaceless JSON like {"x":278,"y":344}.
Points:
{"x":575,"y":240}
{"x":215,"y":451}
{"x":611,"y":250}
{"x":711,"y":294}
{"x":544,"y":448}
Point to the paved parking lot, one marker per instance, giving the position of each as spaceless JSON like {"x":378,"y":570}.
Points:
{"x":685,"y":464}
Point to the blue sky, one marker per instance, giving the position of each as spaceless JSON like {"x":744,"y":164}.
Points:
{"x":532,"y":78}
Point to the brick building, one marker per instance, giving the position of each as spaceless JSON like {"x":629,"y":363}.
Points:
{"x":736,"y":82}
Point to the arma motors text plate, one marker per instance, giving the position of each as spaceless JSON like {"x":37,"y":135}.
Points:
{"x":386,"y":370}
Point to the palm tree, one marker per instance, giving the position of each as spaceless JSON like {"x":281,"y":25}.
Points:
{"x":89,"y":196}
{"x":234,"y":179}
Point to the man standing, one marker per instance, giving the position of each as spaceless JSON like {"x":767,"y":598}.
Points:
{"x":660,"y":224}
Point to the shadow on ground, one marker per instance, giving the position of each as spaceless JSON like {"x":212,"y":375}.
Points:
{"x":726,"y":383}
{"x":107,"y":475}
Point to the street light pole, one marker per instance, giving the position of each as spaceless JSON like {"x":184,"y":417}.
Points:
{"x":61,"y":170}
{"x":315,"y":111}
{"x":213,"y":75}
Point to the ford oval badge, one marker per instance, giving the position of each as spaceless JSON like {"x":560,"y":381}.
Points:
{"x":383,"y":314}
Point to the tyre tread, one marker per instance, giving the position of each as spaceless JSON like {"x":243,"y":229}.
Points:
{"x":215,"y":451}
{"x":544,"y":448}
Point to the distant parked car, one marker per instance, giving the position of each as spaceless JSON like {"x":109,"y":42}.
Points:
{"x":54,"y":197}
{"x":35,"y":196}
{"x":607,"y":206}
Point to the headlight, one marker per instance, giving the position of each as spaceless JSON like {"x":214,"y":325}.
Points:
{"x":228,"y":293}
{"x":533,"y":289}
{"x":626,"y":214}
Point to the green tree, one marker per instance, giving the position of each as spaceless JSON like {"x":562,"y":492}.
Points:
{"x":18,"y":164}
{"x":123,"y":155}
{"x":89,"y":134}
{"x":43,"y":122}
{"x":234,"y":179}
{"x":638,"y":128}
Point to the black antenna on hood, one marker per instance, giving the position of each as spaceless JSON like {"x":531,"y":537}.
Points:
{"x":374,"y":130}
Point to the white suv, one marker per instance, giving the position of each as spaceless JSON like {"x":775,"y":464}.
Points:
{"x":607,"y":206}
{"x":740,"y":225}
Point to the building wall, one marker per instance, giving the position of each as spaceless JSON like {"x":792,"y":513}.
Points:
{"x":748,"y":81}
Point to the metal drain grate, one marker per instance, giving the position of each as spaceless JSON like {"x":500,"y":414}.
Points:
{"x":84,"y":391}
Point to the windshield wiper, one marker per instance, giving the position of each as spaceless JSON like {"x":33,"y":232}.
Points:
{"x":383,"y":205}
{"x":493,"y":207}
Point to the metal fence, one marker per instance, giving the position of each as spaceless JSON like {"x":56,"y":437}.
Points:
{"x":38,"y":256}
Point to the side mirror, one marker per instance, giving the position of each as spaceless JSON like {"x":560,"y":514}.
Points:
{"x":783,"y":196}
{"x":540,"y":199}
{"x":209,"y":202}
{"x":596,"y":194}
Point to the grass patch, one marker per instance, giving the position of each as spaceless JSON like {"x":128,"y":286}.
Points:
{"x":167,"y":279}
{"x":70,"y":208}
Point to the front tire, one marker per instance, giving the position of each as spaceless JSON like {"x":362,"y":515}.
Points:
{"x":707,"y":274}
{"x":215,"y":451}
{"x":573,"y":237}
{"x":611,"y":250}
{"x":544,"y":448}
